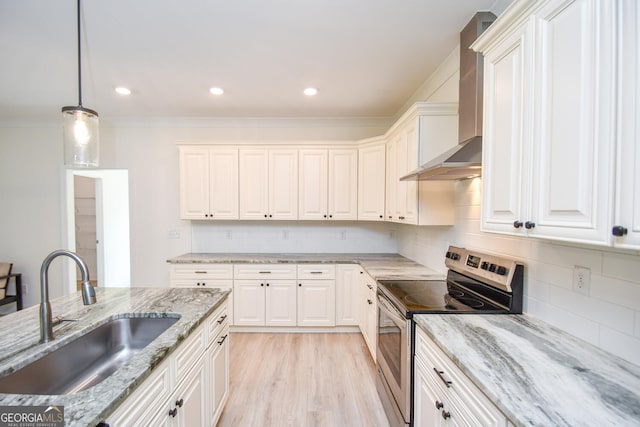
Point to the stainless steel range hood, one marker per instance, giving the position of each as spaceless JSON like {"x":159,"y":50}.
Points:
{"x":465,"y":159}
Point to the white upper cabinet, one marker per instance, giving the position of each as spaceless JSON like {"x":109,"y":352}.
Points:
{"x":505,"y":141}
{"x":342,"y":193}
{"x":268,"y":183}
{"x":328,"y":184}
{"x":208,"y":182}
{"x":424,"y":130}
{"x":371,"y":181}
{"x":549,"y":143}
{"x":627,"y":219}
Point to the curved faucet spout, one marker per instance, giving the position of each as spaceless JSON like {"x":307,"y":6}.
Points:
{"x":88,"y":292}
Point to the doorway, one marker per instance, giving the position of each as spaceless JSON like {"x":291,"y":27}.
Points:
{"x":110,"y":189}
{"x":86,"y":225}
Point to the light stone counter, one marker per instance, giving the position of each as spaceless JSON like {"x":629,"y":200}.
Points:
{"x":536,"y":374}
{"x":379,"y":266}
{"x":19,"y":344}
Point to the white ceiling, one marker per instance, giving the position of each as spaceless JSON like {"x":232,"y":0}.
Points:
{"x":366,"y":57}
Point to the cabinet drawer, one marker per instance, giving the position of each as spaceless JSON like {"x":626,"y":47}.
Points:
{"x":217,"y":322}
{"x":316,"y":271}
{"x":145,"y":401}
{"x":471,"y":405}
{"x":203,"y":271}
{"x":261,"y":271}
{"x":189,"y":353}
{"x":202,"y":283}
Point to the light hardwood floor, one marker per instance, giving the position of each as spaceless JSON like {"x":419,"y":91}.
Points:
{"x":325,"y":380}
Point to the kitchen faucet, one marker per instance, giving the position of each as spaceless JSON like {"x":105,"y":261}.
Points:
{"x":88,"y":293}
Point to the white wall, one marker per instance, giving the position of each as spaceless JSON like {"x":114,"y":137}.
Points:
{"x":609,"y":317}
{"x":32,"y":198}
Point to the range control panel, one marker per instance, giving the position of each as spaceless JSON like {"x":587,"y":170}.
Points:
{"x":494,"y":270}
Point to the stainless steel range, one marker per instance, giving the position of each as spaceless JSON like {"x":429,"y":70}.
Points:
{"x":477,"y":283}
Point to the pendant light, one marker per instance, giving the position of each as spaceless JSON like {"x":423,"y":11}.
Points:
{"x":80,"y":126}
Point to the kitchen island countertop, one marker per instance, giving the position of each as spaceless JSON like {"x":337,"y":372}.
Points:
{"x":379,"y":266}
{"x":537,"y":374}
{"x":19,"y":345}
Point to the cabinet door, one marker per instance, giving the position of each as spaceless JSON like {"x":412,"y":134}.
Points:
{"x":194,"y":183}
{"x":391,"y":194}
{"x":574,"y":116}
{"x":313,"y":184}
{"x":283,"y":184}
{"x":223,"y":183}
{"x":218,"y":365}
{"x":343,"y":184}
{"x":280,"y":308}
{"x":505,"y":142}
{"x":371,"y":183}
{"x":426,"y":401}
{"x":316,"y":303}
{"x":192,"y":397}
{"x":254,"y":184}
{"x":411,"y":135}
{"x":400,"y":141}
{"x":248,"y":302}
{"x":347,"y":292}
{"x":628,"y":177}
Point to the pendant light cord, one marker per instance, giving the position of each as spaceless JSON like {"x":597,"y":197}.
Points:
{"x":79,"y":62}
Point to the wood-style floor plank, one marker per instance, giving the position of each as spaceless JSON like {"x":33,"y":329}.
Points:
{"x":313,"y":380}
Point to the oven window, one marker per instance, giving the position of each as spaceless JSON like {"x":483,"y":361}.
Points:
{"x":390,"y":344}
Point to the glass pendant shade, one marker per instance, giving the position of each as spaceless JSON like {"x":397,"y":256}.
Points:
{"x":81,"y":137}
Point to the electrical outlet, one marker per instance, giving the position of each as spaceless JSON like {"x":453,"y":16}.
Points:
{"x":229,"y":236}
{"x":173,"y":234}
{"x":343,"y":235}
{"x":581,"y":280}
{"x":285,"y":234}
{"x":25,"y":288}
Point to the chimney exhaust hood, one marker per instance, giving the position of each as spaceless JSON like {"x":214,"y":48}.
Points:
{"x":465,"y":159}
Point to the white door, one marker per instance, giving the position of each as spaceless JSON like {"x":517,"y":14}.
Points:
{"x":411,"y":133}
{"x":316,"y":303}
{"x":192,"y":397}
{"x":628,"y":177}
{"x":574,"y":115}
{"x":194,"y":183}
{"x":427,"y":403}
{"x":218,"y":365}
{"x":254,"y":183}
{"x":371,"y":183}
{"x":506,"y":144}
{"x":280,"y":309}
{"x":400,"y":141}
{"x":248,"y":302}
{"x":223,"y":183}
{"x":283,"y":184}
{"x":343,"y":184}
{"x":313,"y":184}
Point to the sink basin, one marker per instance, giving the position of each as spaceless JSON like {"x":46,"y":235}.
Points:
{"x":88,"y":360}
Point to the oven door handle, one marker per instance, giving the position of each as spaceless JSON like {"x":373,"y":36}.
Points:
{"x":393,"y":312}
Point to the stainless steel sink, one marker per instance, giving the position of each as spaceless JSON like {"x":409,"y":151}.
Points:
{"x":88,"y":360}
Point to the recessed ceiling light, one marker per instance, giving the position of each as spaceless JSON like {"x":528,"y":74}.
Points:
{"x":123,"y":90}
{"x":216,"y":90}
{"x":310,"y":91}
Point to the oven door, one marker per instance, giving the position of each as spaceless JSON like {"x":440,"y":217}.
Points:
{"x":393,"y":355}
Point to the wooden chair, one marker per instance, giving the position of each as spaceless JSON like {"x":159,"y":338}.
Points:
{"x":5,"y":278}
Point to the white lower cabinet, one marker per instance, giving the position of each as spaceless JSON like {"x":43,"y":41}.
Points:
{"x":265,"y":295}
{"x":347,"y":292}
{"x":444,"y":395}
{"x":204,"y":276}
{"x":368,"y":312}
{"x":189,"y":388}
{"x":316,"y":294}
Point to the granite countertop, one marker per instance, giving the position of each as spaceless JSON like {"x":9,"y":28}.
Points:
{"x":379,"y":266}
{"x":87,"y":408}
{"x":537,"y":374}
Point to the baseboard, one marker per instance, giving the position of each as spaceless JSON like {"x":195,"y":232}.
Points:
{"x":295,"y":329}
